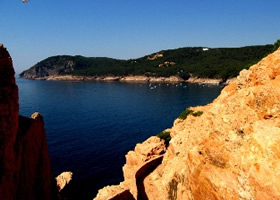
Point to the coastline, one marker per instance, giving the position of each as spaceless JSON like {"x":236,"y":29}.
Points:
{"x":133,"y":79}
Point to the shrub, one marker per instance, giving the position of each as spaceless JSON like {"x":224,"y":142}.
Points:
{"x":185,"y":114}
{"x":197,"y":114}
{"x":165,"y":135}
{"x":276,"y":45}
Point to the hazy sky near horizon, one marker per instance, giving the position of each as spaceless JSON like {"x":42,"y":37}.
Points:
{"x":130,"y":29}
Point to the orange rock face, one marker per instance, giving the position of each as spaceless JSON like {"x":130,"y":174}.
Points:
{"x":63,"y":179}
{"x":232,"y":150}
{"x":139,"y":163}
{"x":25,"y":171}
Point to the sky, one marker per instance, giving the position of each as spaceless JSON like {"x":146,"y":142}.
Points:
{"x":127,"y":29}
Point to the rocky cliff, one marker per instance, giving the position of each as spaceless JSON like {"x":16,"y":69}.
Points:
{"x":25,"y":171}
{"x":230,"y":150}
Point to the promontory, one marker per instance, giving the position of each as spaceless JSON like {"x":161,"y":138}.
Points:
{"x":191,"y":64}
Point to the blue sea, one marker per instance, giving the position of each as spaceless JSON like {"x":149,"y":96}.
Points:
{"x":90,"y":126}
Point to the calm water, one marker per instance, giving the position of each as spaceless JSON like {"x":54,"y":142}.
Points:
{"x":92,"y":125}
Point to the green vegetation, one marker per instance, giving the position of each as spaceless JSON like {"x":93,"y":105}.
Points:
{"x":187,"y":112}
{"x":183,"y":62}
{"x":276,"y":45}
{"x":197,"y":114}
{"x":165,"y":135}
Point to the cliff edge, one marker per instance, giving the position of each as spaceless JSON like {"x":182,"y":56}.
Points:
{"x":230,"y":150}
{"x":25,"y":170}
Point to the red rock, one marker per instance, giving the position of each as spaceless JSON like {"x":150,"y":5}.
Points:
{"x":25,"y":170}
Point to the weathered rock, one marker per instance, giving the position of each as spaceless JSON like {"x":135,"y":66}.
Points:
{"x":155,"y":56}
{"x":63,"y":179}
{"x":232,"y":150}
{"x":115,"y":192}
{"x":149,"y":149}
{"x":137,"y":162}
{"x":109,"y":78}
{"x":167,"y":64}
{"x":208,"y":81}
{"x":25,"y":171}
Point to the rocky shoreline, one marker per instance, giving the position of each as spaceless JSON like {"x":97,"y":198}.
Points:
{"x":229,"y":151}
{"x":131,"y":79}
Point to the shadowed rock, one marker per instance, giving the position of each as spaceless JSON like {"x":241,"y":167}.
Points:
{"x":25,"y":170}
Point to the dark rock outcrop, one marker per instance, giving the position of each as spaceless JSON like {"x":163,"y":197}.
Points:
{"x":49,"y":67}
{"x":25,"y":169}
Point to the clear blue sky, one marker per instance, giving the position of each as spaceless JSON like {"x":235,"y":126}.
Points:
{"x":131,"y":28}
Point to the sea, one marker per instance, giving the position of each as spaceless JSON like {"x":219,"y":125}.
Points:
{"x":90,"y":126}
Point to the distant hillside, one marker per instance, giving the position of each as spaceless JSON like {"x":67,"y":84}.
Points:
{"x":183,"y":62}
